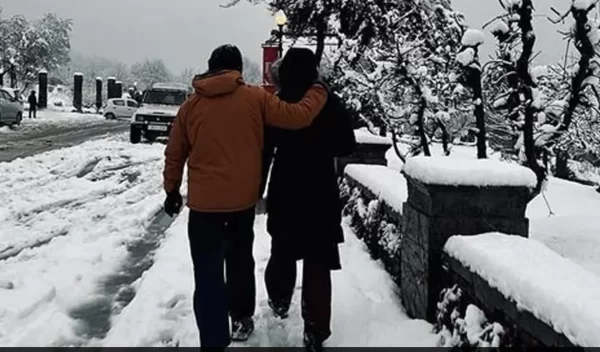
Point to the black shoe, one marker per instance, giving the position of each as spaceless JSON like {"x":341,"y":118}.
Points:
{"x":242,"y":329}
{"x":313,"y":342}
{"x":280,"y":309}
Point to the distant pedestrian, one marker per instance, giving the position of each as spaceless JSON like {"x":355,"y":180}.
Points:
{"x":33,"y":104}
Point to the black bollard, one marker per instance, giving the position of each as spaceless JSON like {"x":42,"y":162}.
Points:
{"x":78,"y":92}
{"x":98,"y":93}
{"x":119,"y":89}
{"x":111,"y":87}
{"x":43,"y":90}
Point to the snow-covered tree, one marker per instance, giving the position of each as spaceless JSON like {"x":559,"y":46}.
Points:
{"x":30,"y":46}
{"x":468,"y":59}
{"x":406,"y":79}
{"x":511,"y":84}
{"x":150,"y":71}
{"x":252,"y":72}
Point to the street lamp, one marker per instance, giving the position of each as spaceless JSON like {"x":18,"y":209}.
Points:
{"x":281,"y":21}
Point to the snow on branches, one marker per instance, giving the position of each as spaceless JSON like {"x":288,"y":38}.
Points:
{"x":407,"y":78}
{"x":30,"y":46}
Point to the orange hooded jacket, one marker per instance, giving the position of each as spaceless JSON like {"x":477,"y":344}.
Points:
{"x":219,"y":132}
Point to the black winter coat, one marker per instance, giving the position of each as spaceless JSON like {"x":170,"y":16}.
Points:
{"x":303,"y":202}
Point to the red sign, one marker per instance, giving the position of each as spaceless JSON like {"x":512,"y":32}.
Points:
{"x":270,"y":55}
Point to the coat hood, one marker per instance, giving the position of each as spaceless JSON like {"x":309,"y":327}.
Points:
{"x":219,"y":83}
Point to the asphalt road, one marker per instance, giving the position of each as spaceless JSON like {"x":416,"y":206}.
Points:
{"x":21,"y":144}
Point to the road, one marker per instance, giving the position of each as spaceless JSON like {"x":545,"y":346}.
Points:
{"x":27,"y":142}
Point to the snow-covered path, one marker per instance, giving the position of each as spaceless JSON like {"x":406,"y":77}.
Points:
{"x":366,"y":310}
{"x":69,"y":220}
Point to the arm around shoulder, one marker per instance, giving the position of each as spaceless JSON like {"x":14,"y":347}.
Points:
{"x":294,"y":116}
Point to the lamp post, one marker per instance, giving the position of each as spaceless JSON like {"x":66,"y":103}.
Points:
{"x":281,"y":21}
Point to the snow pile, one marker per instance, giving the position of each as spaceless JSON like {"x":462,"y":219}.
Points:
{"x":468,"y":172}
{"x":366,"y":310}
{"x":66,"y":220}
{"x":363,"y":136}
{"x":466,"y":57}
{"x":582,"y":5}
{"x":473,"y":38}
{"x":387,"y":184}
{"x":5,"y":129}
{"x":554,"y":289}
{"x":59,"y":99}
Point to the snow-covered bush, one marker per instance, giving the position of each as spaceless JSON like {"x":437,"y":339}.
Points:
{"x":464,"y":325}
{"x":374,"y":226}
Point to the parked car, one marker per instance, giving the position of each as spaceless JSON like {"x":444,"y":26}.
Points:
{"x":157,"y":112}
{"x":120,"y":108}
{"x":11,"y":108}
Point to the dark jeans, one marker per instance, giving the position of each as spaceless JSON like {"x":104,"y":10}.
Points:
{"x":280,"y":279}
{"x":32,"y":112}
{"x":218,"y":240}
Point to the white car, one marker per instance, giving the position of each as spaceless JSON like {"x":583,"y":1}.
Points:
{"x":117,"y":108}
{"x":11,"y":108}
{"x":155,"y":116}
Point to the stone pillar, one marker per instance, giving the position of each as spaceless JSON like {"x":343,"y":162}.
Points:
{"x":98,"y":93}
{"x":118,"y":89}
{"x":110,"y":84}
{"x":78,"y":92}
{"x":43,"y":90}
{"x":434,"y":213}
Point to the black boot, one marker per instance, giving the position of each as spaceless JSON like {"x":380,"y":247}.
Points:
{"x":242,"y":329}
{"x":313,"y":342}
{"x":280,"y":309}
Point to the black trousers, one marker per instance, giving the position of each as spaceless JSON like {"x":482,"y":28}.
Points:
{"x":221,"y":247}
{"x":280,"y":280}
{"x":32,"y":112}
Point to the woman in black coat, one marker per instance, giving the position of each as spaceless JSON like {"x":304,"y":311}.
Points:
{"x":303,"y":203}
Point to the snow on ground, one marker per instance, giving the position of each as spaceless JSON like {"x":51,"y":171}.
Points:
{"x":457,"y":151}
{"x":47,"y":119}
{"x":363,"y":135}
{"x":573,"y":231}
{"x":366,"y":310}
{"x":66,"y":219}
{"x":554,"y":289}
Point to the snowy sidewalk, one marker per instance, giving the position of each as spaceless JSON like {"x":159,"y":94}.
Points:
{"x":67,"y":220}
{"x":366,"y":311}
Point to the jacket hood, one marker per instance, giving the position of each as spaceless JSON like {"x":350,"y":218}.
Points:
{"x":218,"y":83}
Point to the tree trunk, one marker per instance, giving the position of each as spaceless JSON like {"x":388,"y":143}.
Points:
{"x":421,"y":127}
{"x":2,"y":79}
{"x":479,"y":116}
{"x":321,"y":35}
{"x":13,"y":78}
{"x":562,"y":165}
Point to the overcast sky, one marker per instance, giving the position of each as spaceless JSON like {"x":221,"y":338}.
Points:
{"x":184,"y":32}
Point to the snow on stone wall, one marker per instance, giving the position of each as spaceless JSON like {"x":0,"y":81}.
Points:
{"x":468,"y":172}
{"x":558,"y":292}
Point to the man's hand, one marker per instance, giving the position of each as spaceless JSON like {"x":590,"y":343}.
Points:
{"x":173,"y":203}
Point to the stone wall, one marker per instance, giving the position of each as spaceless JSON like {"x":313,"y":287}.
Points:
{"x":366,"y":153}
{"x":409,"y":242}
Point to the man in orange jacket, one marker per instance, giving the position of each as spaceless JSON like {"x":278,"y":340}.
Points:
{"x":219,"y":133}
